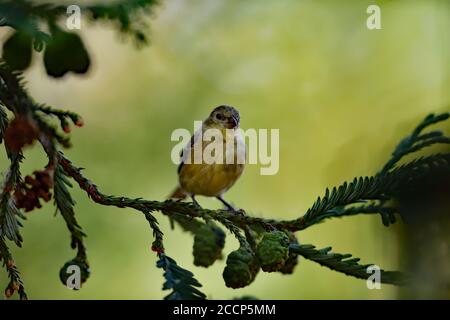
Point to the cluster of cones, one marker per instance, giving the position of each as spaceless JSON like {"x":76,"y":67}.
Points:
{"x":33,"y":189}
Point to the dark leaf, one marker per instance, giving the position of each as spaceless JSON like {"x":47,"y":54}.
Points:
{"x":65,"y":52}
{"x":17,"y":51}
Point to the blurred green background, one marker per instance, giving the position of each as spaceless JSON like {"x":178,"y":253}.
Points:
{"x":341,"y":95}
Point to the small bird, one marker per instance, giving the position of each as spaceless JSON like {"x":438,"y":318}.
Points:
{"x":212,"y":179}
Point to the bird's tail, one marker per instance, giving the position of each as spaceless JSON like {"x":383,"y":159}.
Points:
{"x":178,"y":193}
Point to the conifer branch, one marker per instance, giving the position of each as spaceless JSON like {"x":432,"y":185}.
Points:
{"x":3,"y":122}
{"x":157,"y":245}
{"x":65,"y":205}
{"x":128,"y":15}
{"x":236,"y":231}
{"x":384,"y":186}
{"x":416,"y":141}
{"x":15,"y":281}
{"x":63,"y":116}
{"x":9,"y":213}
{"x":344,"y":263}
{"x":180,"y":281}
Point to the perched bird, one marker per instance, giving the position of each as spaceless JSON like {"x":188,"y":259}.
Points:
{"x":212,"y":179}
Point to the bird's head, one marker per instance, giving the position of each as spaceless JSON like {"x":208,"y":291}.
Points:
{"x":223,"y":117}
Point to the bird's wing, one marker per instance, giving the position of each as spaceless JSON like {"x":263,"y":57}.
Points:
{"x":186,"y":152}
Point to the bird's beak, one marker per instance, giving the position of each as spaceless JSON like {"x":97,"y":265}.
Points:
{"x":232,"y":122}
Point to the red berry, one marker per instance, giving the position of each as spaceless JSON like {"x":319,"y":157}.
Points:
{"x":79,"y":122}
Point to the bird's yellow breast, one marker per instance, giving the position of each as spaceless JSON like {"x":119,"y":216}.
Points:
{"x":215,"y":178}
{"x":209,"y":179}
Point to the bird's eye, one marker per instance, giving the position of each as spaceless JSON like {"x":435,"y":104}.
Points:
{"x":219,"y":116}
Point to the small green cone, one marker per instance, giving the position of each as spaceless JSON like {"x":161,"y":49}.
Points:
{"x":292,"y":259}
{"x":208,"y":244}
{"x":71,"y":270}
{"x":241,"y":269}
{"x":273,"y":251}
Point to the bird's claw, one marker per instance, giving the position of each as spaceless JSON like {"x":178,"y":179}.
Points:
{"x":239,"y":212}
{"x":197,"y":205}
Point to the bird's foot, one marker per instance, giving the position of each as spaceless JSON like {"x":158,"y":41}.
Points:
{"x":196,"y":204}
{"x":230,"y":208}
{"x":236,"y":211}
